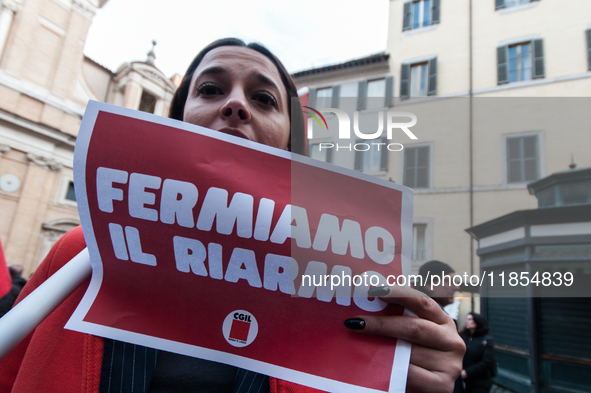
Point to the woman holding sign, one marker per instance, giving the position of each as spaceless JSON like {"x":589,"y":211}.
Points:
{"x":241,"y":90}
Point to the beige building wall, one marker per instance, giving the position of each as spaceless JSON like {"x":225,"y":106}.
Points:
{"x":560,"y":24}
{"x":45,"y":84}
{"x":41,"y":104}
{"x":449,"y":42}
{"x":559,"y":125}
{"x":554,"y":109}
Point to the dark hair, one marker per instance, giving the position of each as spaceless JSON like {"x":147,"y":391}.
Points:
{"x":297,"y":143}
{"x":432,"y":268}
{"x":481,"y":326}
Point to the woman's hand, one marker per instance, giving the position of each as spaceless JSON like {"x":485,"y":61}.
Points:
{"x":437,"y":349}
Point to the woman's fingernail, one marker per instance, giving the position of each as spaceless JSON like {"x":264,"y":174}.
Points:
{"x":355,"y":323}
{"x":379,"y":291}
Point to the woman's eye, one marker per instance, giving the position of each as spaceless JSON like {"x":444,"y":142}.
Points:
{"x":209,"y":89}
{"x":265,"y":98}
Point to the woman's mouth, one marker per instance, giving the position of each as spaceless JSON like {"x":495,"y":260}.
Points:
{"x":234,"y":132}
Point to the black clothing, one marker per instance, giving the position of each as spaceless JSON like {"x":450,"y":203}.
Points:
{"x":479,"y":363}
{"x":133,"y":368}
{"x":178,"y":373}
{"x":7,"y":301}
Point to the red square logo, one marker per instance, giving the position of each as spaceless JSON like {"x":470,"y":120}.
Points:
{"x":239,"y":330}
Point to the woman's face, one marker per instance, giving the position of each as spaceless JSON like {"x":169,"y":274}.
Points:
{"x":470,"y":324}
{"x":238,"y":91}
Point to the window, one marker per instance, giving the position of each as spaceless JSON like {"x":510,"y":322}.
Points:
{"x":65,"y":193}
{"x":418,"y":242}
{"x":420,"y":13}
{"x":520,"y":62}
{"x":375,"y":158}
{"x":588,"y":33}
{"x":320,"y":153}
{"x":416,"y":167}
{"x":70,"y":194}
{"x":418,"y":79}
{"x":522,"y":159}
{"x":375,"y":89}
{"x":326,"y":97}
{"x":147,"y":102}
{"x":510,"y":3}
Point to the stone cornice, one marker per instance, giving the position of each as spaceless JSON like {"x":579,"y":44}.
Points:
{"x":85,"y":7}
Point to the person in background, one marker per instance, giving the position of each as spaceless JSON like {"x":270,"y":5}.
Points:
{"x":16,"y":274}
{"x":17,"y":284}
{"x":479,"y":365}
{"x":443,"y":294}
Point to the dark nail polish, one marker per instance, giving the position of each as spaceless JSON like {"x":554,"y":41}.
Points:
{"x":355,"y":323}
{"x":378,"y":291}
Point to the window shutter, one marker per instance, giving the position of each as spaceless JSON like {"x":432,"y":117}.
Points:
{"x":406,"y":20}
{"x":404,"y":80}
{"x":358,"y":159}
{"x":555,"y":314}
{"x":361,"y":95}
{"x":336,"y":95}
{"x":384,"y":155}
{"x":499,"y":4}
{"x":530,"y":158}
{"x":588,"y":49}
{"x":502,"y":66}
{"x":432,"y":86}
{"x":435,"y":11}
{"x":329,"y":155}
{"x":538,"y":48}
{"x":390,"y":91}
{"x":409,"y":167}
{"x":312,"y":97}
{"x":423,"y":167}
{"x":507,"y":317}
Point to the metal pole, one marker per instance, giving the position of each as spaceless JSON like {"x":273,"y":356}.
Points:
{"x":471,"y":148}
{"x":533,"y":317}
{"x":19,"y":322}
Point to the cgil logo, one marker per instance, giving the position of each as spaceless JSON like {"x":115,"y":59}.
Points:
{"x":240,"y":328}
{"x":344,"y":131}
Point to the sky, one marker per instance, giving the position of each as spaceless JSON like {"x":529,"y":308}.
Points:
{"x":303,"y":34}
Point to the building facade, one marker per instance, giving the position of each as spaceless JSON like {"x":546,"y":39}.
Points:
{"x":499,"y":89}
{"x":45,"y":84}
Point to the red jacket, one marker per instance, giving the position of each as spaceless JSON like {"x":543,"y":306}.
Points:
{"x":53,"y":359}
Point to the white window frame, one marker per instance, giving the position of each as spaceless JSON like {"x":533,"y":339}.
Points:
{"x":325,"y":151}
{"x":429,"y":225}
{"x":374,"y":155}
{"x":519,"y":70}
{"x":424,"y":69}
{"x":517,"y":7}
{"x":323,"y":101}
{"x":421,"y":18}
{"x":373,"y":102}
{"x":65,"y":179}
{"x":516,"y":3}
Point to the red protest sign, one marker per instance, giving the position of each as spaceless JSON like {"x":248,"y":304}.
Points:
{"x":216,"y":247}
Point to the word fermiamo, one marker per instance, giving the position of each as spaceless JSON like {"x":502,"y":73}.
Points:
{"x":235,"y":216}
{"x":345,"y":131}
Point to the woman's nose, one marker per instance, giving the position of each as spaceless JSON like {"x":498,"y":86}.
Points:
{"x":236,"y":109}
